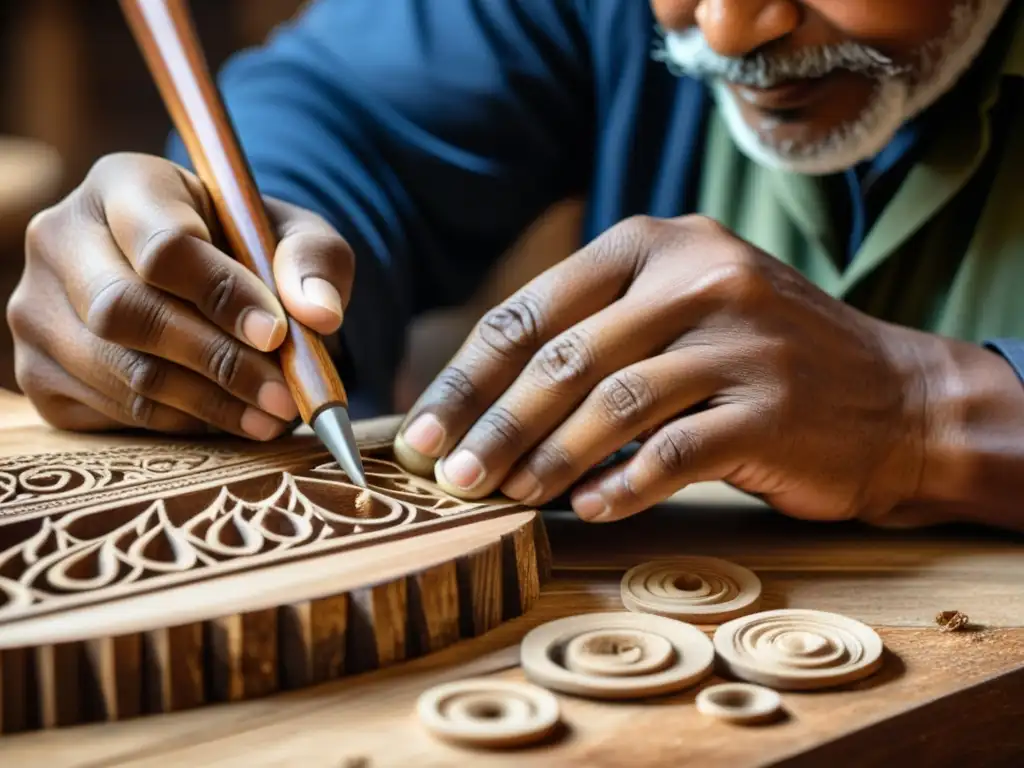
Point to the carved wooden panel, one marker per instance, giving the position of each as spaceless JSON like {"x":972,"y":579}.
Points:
{"x":155,"y":577}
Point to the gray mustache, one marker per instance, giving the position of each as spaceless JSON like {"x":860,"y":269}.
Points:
{"x":687,"y":53}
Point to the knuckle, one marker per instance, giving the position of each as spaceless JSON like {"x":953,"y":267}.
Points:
{"x":124,"y":309}
{"x":37,"y":231}
{"x":222,"y":360}
{"x":564,"y":360}
{"x":625,"y":398}
{"x":674,"y":450}
{"x":455,"y":387}
{"x":105,"y":166}
{"x":704,"y":224}
{"x":143,"y":374}
{"x":29,"y":377}
{"x":115,"y":167}
{"x":638,"y":225}
{"x":139,"y":409}
{"x":218,"y":410}
{"x":738,"y":282}
{"x":630,"y":238}
{"x":503,"y":425}
{"x":551,"y":460}
{"x":17,"y":315}
{"x":223,"y":288}
{"x":513,"y":328}
{"x":158,"y":253}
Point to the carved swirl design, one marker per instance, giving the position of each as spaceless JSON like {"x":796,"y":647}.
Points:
{"x":798,"y":649}
{"x":612,"y":654}
{"x":86,"y":550}
{"x":616,"y":655}
{"x":25,"y":479}
{"x":488,"y":713}
{"x":697,"y":589}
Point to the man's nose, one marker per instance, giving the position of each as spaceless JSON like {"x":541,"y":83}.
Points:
{"x":732,"y":27}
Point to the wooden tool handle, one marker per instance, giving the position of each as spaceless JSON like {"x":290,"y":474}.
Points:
{"x":166,"y":35}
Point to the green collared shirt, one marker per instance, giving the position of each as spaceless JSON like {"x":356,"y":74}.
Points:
{"x":946,"y":254}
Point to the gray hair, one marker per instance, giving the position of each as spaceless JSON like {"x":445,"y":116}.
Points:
{"x":687,"y":53}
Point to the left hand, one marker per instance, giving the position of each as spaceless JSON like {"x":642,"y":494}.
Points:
{"x":725,"y":363}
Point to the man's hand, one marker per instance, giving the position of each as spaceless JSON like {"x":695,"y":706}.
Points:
{"x":725,"y":363}
{"x":129,"y":315}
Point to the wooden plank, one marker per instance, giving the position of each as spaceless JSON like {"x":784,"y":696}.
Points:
{"x":924,"y":666}
{"x":934,"y":687}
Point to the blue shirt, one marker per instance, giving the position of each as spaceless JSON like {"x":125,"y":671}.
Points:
{"x":431,"y":133}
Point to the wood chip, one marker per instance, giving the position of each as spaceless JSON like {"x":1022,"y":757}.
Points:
{"x":952,"y":621}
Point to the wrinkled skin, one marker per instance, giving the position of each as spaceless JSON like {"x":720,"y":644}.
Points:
{"x":728,"y":365}
{"x":129,"y":315}
{"x":737,"y":28}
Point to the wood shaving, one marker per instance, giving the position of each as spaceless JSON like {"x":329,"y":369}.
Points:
{"x":366,"y":505}
{"x":952,"y":621}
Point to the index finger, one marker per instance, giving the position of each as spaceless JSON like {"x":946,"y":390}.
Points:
{"x":508,"y":337}
{"x":162,"y":221}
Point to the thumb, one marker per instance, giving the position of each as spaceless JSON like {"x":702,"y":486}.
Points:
{"x":313,"y":267}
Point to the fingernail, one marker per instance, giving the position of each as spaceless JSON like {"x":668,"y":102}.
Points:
{"x":262,"y":329}
{"x":275,"y":399}
{"x":464,"y":470}
{"x":259,"y":425}
{"x":523,"y":487}
{"x":318,"y":291}
{"x":425,"y":435}
{"x":590,"y":506}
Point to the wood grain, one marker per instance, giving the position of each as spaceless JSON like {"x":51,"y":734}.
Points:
{"x":154,"y":576}
{"x":952,"y":698}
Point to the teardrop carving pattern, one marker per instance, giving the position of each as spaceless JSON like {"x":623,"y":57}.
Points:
{"x":228,"y":507}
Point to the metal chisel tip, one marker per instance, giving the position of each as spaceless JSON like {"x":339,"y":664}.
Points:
{"x":334,"y":428}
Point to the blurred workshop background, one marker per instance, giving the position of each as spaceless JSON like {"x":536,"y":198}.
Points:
{"x":74,"y":88}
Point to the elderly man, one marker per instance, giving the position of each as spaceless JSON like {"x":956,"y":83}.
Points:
{"x":803,"y":273}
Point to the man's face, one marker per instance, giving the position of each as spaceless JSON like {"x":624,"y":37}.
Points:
{"x":816,"y":86}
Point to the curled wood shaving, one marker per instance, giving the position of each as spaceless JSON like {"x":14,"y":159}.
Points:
{"x":951,"y":621}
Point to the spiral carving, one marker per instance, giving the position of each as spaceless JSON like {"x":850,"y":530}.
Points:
{"x":617,"y":655}
{"x":488,"y":713}
{"x":611,"y":654}
{"x":698,"y":589}
{"x":798,"y":649}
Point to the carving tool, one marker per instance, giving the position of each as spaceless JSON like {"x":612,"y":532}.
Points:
{"x":165,"y":33}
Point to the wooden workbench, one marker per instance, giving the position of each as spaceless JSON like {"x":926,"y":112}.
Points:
{"x":940,"y":698}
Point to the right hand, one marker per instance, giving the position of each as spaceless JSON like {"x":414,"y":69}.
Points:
{"x":129,"y":315}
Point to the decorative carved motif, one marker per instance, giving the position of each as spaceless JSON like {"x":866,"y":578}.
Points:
{"x":703,"y":590}
{"x":26,"y":480}
{"x":76,"y":553}
{"x":798,"y":649}
{"x":83,"y":532}
{"x":616,"y":655}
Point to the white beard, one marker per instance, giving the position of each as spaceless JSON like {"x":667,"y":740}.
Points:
{"x":897,"y":98}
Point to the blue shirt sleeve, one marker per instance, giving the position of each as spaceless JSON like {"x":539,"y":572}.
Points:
{"x":1012,"y":350}
{"x":430,"y":133}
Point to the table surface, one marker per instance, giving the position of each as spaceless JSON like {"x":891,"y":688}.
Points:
{"x":940,"y":698}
